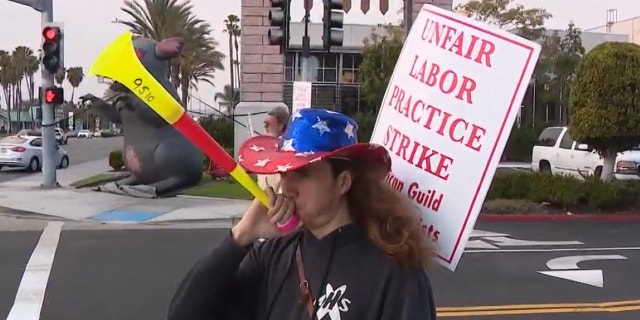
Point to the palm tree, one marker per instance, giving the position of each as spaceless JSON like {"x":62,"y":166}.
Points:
{"x":231,"y":25}
{"x":25,"y":65}
{"x":59,"y":76}
{"x":75,"y":75}
{"x":227,"y":95}
{"x":236,"y":36}
{"x":161,"y":19}
{"x":6,"y":79}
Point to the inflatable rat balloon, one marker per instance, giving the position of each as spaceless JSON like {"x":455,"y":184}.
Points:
{"x":160,"y":159}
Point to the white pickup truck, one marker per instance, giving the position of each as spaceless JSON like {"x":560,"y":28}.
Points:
{"x":557,"y":153}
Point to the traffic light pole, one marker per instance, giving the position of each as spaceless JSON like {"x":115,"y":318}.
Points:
{"x":306,"y":48}
{"x":49,"y":165}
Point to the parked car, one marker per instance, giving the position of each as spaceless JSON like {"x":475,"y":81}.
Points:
{"x":84,"y":134}
{"x":26,"y":152}
{"x":556,"y":152}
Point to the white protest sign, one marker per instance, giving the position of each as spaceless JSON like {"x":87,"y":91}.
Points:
{"x":301,"y":96}
{"x":446,"y":116}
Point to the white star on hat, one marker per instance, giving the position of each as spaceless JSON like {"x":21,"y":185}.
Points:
{"x":262,"y":162}
{"x":321,"y":126}
{"x":284,"y":168}
{"x":287,"y":145}
{"x":350,"y":130}
{"x":304,"y":154}
{"x":256,"y":148}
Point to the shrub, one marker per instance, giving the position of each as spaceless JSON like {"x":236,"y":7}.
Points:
{"x":116,"y":160}
{"x":220,"y":129}
{"x":566,"y":193}
{"x":107,"y":134}
{"x":521,"y":142}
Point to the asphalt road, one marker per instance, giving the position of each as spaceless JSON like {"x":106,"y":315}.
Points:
{"x":108,"y":274}
{"x":79,"y":150}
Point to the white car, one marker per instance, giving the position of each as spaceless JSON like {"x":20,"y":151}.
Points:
{"x":84,"y":134}
{"x":556,"y":152}
{"x":26,"y":152}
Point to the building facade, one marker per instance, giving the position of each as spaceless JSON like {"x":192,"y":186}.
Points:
{"x":335,"y":75}
{"x":264,"y":67}
{"x":532,"y":110}
{"x":628,"y":27}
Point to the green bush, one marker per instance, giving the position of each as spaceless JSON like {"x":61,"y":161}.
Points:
{"x":116,"y":160}
{"x":107,"y":134}
{"x":221,"y":129}
{"x":567,"y":193}
{"x":521,"y":142}
{"x":604,"y":98}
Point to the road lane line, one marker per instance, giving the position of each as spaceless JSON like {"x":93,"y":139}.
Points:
{"x":30,"y":295}
{"x":543,"y":306}
{"x":551,"y":250}
{"x":611,"y":307}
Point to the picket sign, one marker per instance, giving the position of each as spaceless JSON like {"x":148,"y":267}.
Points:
{"x":446,"y":116}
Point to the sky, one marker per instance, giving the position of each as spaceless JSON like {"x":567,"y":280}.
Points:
{"x":88,"y":27}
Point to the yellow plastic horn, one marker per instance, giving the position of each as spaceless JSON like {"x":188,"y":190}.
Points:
{"x":119,"y":62}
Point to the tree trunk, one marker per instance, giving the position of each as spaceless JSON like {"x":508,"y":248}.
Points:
{"x":237,"y":62}
{"x":608,"y":165}
{"x":231,"y":70}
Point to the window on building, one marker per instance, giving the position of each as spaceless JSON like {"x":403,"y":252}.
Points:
{"x":289,"y":67}
{"x":350,"y":67}
{"x":349,"y":99}
{"x":325,"y":65}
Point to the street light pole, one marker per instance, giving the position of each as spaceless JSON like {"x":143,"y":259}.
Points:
{"x":50,"y":163}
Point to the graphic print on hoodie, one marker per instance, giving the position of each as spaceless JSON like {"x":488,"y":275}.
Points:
{"x":350,"y":279}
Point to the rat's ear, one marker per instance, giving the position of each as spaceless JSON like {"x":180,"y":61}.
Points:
{"x":169,"y":48}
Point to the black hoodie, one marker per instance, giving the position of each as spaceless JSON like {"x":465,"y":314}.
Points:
{"x":353,"y":279}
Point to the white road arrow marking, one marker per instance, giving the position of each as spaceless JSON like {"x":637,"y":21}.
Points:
{"x":484,"y":234}
{"x":509,"y":242}
{"x":567,"y":268}
{"x":479,"y":244}
{"x":588,"y":277}
{"x":571,"y":262}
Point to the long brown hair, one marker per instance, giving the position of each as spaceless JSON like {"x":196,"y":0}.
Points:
{"x":391,"y":222}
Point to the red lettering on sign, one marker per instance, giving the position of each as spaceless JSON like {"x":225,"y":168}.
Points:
{"x":447,"y":81}
{"x":457,"y":129}
{"x":458,"y":42}
{"x":417,"y":154}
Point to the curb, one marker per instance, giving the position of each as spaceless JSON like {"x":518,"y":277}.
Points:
{"x":29,"y":214}
{"x":605,"y":217}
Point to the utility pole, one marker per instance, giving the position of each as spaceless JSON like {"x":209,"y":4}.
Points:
{"x":49,"y":165}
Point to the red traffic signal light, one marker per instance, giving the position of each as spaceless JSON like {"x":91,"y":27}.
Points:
{"x":51,"y":33}
{"x":52,"y":48}
{"x":54,"y":95}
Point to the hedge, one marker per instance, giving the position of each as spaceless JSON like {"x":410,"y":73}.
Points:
{"x":567,"y":193}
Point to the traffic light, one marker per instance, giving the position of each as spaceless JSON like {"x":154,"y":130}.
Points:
{"x":279,"y":21}
{"x":333,"y":21}
{"x":53,"y":95}
{"x":52,"y":48}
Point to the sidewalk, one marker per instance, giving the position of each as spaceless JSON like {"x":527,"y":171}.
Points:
{"x":66,"y":202}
